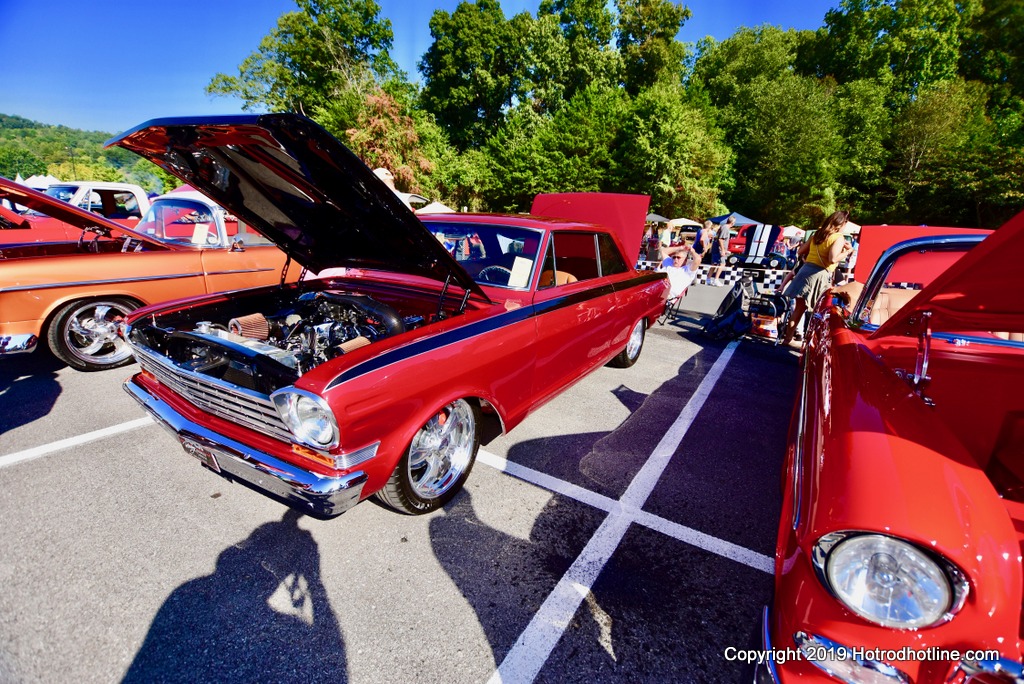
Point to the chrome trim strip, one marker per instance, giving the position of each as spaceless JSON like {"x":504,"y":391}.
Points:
{"x":1003,"y":670}
{"x":768,"y":665}
{"x":17,"y":344}
{"x":111,"y":281}
{"x":884,"y":669}
{"x":318,"y":494}
{"x":241,"y":270}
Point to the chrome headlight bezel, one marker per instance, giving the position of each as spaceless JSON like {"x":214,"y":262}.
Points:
{"x":289,"y":401}
{"x":823,"y":554}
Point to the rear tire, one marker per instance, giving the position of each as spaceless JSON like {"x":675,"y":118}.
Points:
{"x":84,"y":334}
{"x":634,"y":345}
{"x":437,"y":462}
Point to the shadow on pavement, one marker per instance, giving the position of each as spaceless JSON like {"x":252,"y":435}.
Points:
{"x":28,"y":388}
{"x":506,"y":578}
{"x":263,"y":615}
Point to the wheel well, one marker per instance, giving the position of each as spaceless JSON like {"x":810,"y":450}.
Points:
{"x":491,"y":424}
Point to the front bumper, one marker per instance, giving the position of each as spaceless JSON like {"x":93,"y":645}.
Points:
{"x":316,"y":494}
{"x":17,"y":344}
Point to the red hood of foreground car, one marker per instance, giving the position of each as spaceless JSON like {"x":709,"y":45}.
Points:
{"x":300,"y":187}
{"x":17,"y":193}
{"x":981,"y":291}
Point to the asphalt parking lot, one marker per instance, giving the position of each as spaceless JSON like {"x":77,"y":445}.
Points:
{"x":623,"y":533}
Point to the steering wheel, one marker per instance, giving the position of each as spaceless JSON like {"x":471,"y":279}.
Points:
{"x":492,"y":274}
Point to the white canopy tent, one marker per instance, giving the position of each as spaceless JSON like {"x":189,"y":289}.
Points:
{"x":793,"y":232}
{"x":679,"y":222}
{"x":40,"y":182}
{"x":435,"y":208}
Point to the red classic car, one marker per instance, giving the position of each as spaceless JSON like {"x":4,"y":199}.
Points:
{"x":899,"y":547}
{"x":422,"y":338}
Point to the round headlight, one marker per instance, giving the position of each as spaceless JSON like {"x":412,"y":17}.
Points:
{"x":308,"y":417}
{"x":888,"y":581}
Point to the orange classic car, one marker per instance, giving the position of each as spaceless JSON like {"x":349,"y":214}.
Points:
{"x":73,"y":294}
{"x":899,"y":548}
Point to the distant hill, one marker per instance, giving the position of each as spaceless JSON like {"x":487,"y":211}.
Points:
{"x":28,"y":148}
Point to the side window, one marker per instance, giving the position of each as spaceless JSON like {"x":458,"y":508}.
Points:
{"x":247,"y":235}
{"x":611,"y":259}
{"x":575,"y":258}
{"x":125,"y":206}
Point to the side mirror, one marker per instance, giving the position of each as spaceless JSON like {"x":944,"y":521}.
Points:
{"x":237,"y":246}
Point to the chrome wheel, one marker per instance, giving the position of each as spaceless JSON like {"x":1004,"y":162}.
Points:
{"x":442,"y":450}
{"x":636,"y":341}
{"x":634,"y":345}
{"x":85,"y":334}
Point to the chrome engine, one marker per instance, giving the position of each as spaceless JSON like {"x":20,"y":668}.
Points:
{"x":263,"y":351}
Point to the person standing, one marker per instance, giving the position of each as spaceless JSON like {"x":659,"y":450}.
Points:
{"x":824,"y":251}
{"x":720,"y":251}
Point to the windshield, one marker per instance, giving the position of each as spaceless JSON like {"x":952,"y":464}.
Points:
{"x":181,"y":221}
{"x":493,"y":255}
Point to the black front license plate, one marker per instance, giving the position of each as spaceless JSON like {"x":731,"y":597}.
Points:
{"x":203,"y":453}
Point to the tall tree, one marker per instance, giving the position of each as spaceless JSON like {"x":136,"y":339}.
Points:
{"x":587,"y":27}
{"x":668,"y":149}
{"x":914,"y":43}
{"x":328,"y":49}
{"x":472,"y":69}
{"x":646,"y":38}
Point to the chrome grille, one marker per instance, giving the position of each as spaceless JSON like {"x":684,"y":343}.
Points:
{"x":222,"y":399}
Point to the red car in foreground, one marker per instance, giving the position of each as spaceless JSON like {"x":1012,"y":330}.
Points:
{"x":383,"y":377}
{"x":899,"y":548}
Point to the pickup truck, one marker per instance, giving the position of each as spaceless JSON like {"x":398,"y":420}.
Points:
{"x":122,"y":203}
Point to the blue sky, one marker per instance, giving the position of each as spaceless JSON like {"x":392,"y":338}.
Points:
{"x":109,"y":65}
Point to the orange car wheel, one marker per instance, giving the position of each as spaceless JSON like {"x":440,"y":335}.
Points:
{"x":84,"y":334}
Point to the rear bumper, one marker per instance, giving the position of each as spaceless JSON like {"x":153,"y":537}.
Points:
{"x":309,"y":492}
{"x":17,"y":344}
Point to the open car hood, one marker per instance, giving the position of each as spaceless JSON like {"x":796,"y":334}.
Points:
{"x":296,"y":184}
{"x":17,"y":193}
{"x":980,"y":292}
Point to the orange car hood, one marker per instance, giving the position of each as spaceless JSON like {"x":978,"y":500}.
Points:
{"x":981,"y":291}
{"x":17,"y":193}
{"x":296,"y":184}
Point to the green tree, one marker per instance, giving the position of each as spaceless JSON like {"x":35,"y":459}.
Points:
{"x":328,"y":49}
{"x":17,"y":160}
{"x":668,"y":149}
{"x":646,"y":38}
{"x":472,"y":69}
{"x":587,"y":28}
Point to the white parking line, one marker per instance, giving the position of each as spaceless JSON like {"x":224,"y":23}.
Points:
{"x":526,"y":658}
{"x":36,"y":452}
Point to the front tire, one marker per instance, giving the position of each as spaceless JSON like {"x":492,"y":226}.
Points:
{"x":437,"y":462}
{"x":634,"y":345}
{"x":84,"y":334}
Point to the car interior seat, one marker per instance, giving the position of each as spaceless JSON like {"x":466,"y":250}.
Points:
{"x":888,"y":302}
{"x":549,"y":278}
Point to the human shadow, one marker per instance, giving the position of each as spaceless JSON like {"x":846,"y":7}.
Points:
{"x":646,"y":614}
{"x":263,"y":615}
{"x":28,"y":389}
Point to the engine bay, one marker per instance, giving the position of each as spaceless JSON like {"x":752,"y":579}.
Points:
{"x":268,"y":343}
